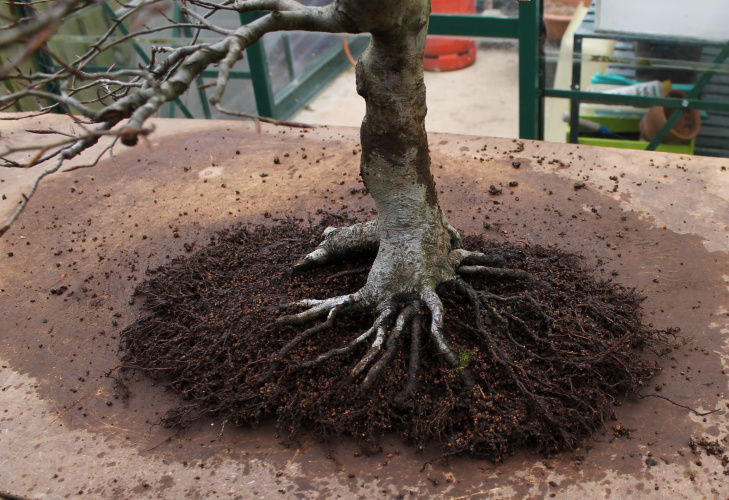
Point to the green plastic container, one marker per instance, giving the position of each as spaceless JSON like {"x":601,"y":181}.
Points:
{"x":628,"y":124}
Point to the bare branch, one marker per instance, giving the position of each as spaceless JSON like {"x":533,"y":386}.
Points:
{"x":48,"y":18}
{"x":264,"y":119}
{"x":234,"y":54}
{"x":270,"y":5}
{"x":214,"y":7}
{"x":204,"y":22}
{"x":64,"y":99}
{"x":138,"y":94}
{"x":94,"y":162}
{"x":91,"y":135}
{"x":146,"y":102}
{"x":67,"y":153}
{"x":175,"y":57}
{"x":96,"y":48}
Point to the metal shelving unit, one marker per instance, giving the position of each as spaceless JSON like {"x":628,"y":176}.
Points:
{"x":705,"y":70}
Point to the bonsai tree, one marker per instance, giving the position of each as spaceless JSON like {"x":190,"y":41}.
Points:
{"x":562,"y":379}
{"x":417,"y":249}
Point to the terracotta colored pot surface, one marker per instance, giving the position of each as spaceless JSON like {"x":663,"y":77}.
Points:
{"x":558,"y":18}
{"x":556,"y":25}
{"x":586,"y":3}
{"x":686,"y":128}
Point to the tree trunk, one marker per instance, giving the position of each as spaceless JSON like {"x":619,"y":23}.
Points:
{"x":414,"y":243}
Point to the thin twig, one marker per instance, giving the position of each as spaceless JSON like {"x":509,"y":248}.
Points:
{"x":696,"y":412}
{"x":264,"y":119}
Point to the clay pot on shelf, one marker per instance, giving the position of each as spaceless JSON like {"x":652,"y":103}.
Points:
{"x":586,"y":3}
{"x":686,"y":128}
{"x":556,"y":24}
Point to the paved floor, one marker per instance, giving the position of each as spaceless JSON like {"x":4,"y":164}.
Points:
{"x":482,"y":99}
{"x":664,"y":230}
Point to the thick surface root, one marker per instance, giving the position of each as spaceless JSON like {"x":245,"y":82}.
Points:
{"x":400,"y":315}
{"x":490,"y":362}
{"x":340,"y":243}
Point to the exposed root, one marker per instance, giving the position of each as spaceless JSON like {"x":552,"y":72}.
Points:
{"x":487,"y":363}
{"x":340,"y":242}
{"x":383,"y":336}
{"x":416,"y":335}
{"x":378,"y":326}
{"x":306,"y":334}
{"x":495,"y":258}
{"x":373,"y":351}
{"x":435,"y":306}
{"x":456,"y":240}
{"x":317,"y":308}
{"x":493,"y":272}
{"x":403,"y":322}
{"x":503,"y":359}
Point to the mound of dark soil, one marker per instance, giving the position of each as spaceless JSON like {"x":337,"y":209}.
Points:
{"x":555,"y":360}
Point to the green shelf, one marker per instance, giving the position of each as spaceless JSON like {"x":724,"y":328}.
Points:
{"x":618,"y":124}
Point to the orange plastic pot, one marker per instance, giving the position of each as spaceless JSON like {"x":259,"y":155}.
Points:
{"x":686,"y":128}
{"x":445,"y":53}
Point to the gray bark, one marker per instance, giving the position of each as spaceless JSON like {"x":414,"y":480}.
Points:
{"x":414,"y":243}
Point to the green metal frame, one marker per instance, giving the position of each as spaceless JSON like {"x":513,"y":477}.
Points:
{"x":693,"y":94}
{"x":531,"y":75}
{"x":296,"y":94}
{"x":680,"y":105}
{"x":143,"y":56}
{"x":527,"y":28}
{"x":260,"y":75}
{"x":301,"y":89}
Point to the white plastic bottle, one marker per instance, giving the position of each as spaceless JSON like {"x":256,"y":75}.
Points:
{"x":655,"y":88}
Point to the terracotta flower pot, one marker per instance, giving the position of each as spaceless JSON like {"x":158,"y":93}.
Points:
{"x":686,"y":128}
{"x":586,"y":3}
{"x":556,"y":25}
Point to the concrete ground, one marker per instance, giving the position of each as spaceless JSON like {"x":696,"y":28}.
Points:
{"x":664,"y":230}
{"x":482,"y":99}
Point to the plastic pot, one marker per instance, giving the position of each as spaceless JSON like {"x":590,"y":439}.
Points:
{"x":686,"y":128}
{"x":445,"y":53}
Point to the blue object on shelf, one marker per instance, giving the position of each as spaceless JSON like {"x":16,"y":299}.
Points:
{"x":602,"y":79}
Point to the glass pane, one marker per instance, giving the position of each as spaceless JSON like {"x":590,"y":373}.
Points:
{"x":621,"y":60}
{"x":473,"y":87}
